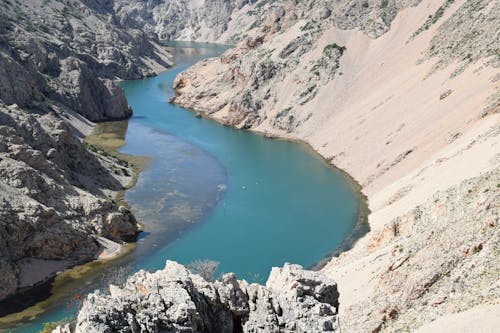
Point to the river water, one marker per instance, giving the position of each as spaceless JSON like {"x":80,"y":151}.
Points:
{"x":214,"y":192}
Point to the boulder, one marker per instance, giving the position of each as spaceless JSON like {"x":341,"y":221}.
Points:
{"x":121,"y":225}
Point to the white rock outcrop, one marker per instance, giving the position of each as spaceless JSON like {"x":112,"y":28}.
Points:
{"x":175,"y":300}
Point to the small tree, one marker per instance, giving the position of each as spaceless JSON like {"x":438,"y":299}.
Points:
{"x":205,"y":268}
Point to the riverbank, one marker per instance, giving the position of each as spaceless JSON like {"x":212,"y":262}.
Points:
{"x":58,"y":287}
{"x":106,"y":139}
{"x":50,"y":283}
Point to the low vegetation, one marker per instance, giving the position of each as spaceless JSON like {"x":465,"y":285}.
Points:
{"x":205,"y":268}
{"x":433,"y":18}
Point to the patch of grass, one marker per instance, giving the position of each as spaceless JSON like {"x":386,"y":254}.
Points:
{"x":384,"y":3}
{"x":105,"y":140}
{"x":48,"y":327}
{"x":315,"y":69}
{"x":29,"y":27}
{"x":284,"y":111}
{"x":255,"y":24}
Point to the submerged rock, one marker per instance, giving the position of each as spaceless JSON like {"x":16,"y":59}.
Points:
{"x":173,"y":299}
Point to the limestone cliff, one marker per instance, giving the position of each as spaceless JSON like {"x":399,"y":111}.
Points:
{"x":58,"y":63}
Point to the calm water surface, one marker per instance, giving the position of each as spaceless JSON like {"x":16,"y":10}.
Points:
{"x":213,"y":192}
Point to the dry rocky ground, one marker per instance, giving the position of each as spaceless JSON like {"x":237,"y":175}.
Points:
{"x":175,"y":300}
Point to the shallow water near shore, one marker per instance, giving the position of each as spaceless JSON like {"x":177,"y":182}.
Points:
{"x":214,"y":192}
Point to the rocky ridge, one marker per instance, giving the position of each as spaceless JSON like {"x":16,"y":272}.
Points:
{"x":58,"y":64}
{"x":173,"y":299}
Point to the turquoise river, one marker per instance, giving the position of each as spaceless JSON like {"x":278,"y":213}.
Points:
{"x":214,"y":192}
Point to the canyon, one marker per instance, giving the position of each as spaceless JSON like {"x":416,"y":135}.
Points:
{"x":402,"y":95}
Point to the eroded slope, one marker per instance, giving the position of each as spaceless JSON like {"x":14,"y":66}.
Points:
{"x":403,"y":96}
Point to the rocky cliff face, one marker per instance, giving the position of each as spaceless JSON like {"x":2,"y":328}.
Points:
{"x":173,"y":299}
{"x":58,"y":63}
{"x":285,"y":42}
{"x":439,"y":257}
{"x":187,"y":20}
{"x":404,"y":96}
{"x":53,"y":201}
{"x":70,"y":53}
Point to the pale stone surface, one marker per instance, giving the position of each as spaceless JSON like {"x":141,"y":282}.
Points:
{"x":186,"y":20}
{"x":173,"y":299}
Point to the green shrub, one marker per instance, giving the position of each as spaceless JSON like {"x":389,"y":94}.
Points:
{"x":334,"y":46}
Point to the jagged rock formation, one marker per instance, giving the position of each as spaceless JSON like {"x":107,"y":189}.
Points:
{"x":403,"y":95}
{"x":70,"y":53}
{"x":58,"y":63}
{"x":173,"y":299}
